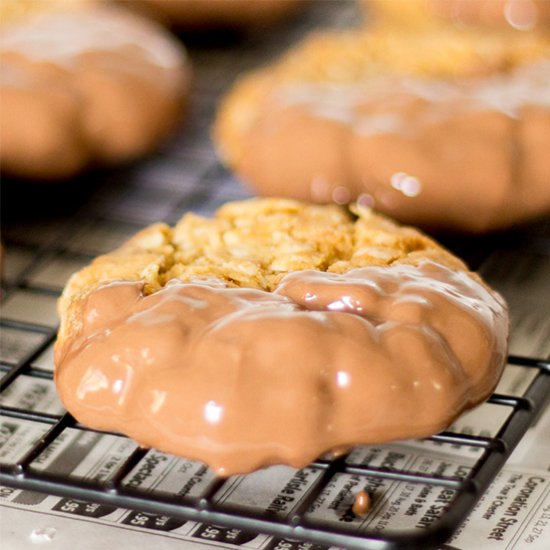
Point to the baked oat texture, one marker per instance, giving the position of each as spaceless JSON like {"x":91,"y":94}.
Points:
{"x":464,"y":113}
{"x":253,"y":244}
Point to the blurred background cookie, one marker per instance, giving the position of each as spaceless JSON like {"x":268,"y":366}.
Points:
{"x":84,"y":84}
{"x":197,"y":14}
{"x":446,"y":128}
{"x":513,"y":14}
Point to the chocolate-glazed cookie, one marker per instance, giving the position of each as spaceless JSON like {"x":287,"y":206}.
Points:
{"x":208,"y":14}
{"x":446,"y":129}
{"x":274,"y":332}
{"x":86,"y":85}
{"x":522,"y":15}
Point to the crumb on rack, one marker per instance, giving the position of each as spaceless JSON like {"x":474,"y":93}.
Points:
{"x":362,"y":503}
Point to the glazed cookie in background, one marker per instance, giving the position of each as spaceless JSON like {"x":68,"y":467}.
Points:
{"x":446,"y":129}
{"x":274,"y":332}
{"x":197,"y":14}
{"x":84,"y":85}
{"x":524,"y":15}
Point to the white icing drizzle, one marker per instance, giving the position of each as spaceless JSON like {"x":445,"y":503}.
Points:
{"x":504,"y":93}
{"x":62,"y":37}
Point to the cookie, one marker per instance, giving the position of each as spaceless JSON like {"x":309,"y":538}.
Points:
{"x":201,"y":14}
{"x":523,"y":15}
{"x":274,"y":332}
{"x":443,"y":129}
{"x":85,"y":86}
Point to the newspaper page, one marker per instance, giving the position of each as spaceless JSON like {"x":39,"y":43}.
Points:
{"x":513,"y":514}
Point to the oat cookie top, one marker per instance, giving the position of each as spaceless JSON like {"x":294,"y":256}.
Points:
{"x":254,"y":244}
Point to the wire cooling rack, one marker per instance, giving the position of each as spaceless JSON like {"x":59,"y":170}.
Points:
{"x":49,"y":232}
